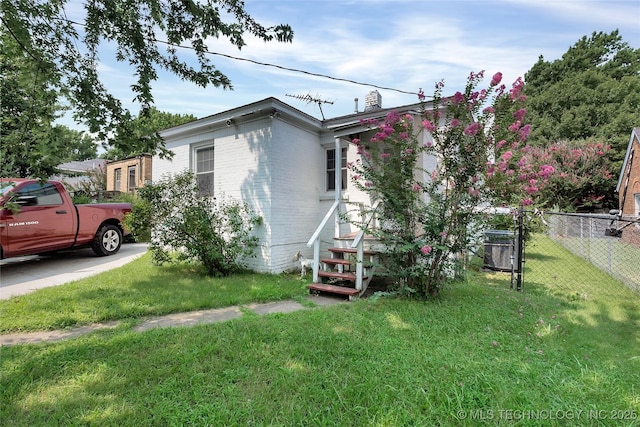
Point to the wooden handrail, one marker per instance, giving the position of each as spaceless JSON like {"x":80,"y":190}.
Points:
{"x":361,"y":233}
{"x":358,"y":243}
{"x":316,"y":234}
{"x":315,"y":239}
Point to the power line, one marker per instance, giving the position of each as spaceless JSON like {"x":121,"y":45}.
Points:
{"x":294,"y":70}
{"x":280,"y":67}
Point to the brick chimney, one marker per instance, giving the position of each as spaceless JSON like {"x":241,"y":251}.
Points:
{"x":372,"y":101}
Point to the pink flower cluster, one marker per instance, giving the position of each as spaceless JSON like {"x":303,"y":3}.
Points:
{"x":516,"y":88}
{"x":496,"y":79}
{"x":546,"y":171}
{"x":426,"y":250}
{"x":472,"y":129}
{"x":429,"y":126}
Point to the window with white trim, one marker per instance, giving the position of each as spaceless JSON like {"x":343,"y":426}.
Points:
{"x":637,"y":210}
{"x":331,"y":169}
{"x":204,"y":170}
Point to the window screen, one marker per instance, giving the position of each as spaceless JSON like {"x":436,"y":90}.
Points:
{"x":204,"y":170}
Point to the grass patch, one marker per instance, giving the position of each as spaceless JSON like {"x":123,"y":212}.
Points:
{"x":477,"y":355}
{"x":554,"y":267}
{"x":610,"y":255}
{"x":140,"y":289}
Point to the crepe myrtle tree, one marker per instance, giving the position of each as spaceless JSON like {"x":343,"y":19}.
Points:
{"x":425,"y":215}
{"x":183,"y":225}
{"x":565,"y":175}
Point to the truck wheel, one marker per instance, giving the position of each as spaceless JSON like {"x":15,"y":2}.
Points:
{"x":107,"y":241}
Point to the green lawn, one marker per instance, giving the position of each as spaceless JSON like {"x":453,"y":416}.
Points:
{"x":479,"y":354}
{"x":611,"y":255}
{"x":140,"y":289}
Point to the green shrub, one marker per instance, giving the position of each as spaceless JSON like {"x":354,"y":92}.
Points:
{"x":138,"y":221}
{"x":184,"y":225}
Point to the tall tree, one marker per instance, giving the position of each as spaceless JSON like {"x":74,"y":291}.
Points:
{"x":593,"y":91}
{"x":147,"y":34}
{"x":71,"y":144}
{"x":32,"y":145}
{"x":143,"y":132}
{"x":28,"y":108}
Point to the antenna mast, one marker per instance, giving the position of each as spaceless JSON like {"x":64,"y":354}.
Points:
{"x":309,"y":99}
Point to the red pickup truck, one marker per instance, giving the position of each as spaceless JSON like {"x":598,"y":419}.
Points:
{"x":37,"y":217}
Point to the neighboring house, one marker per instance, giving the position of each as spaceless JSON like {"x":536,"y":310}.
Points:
{"x":628,"y":189}
{"x":77,"y":172}
{"x":127,"y":175}
{"x":285,"y":164}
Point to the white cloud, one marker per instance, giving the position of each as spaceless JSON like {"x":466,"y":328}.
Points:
{"x":399,"y":44}
{"x":608,"y":12}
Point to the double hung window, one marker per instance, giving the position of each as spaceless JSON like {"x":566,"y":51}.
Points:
{"x":331,"y":169}
{"x":131,"y":179}
{"x":117,"y":179}
{"x":204,"y":170}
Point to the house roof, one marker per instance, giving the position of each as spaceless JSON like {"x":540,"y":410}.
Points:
{"x":265,"y":107}
{"x":126,"y":159}
{"x":635,"y":135}
{"x":271,"y":106}
{"x":81,"y":166}
{"x":346,"y":124}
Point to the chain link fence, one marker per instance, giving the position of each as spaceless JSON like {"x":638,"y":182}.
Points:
{"x":576,"y":252}
{"x":610,"y":243}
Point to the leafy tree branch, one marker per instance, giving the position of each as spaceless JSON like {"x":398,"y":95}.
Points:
{"x":70,"y":50}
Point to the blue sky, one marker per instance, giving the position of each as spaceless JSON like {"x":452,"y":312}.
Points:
{"x":400,"y":44}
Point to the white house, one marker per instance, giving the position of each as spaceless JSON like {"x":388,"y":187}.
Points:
{"x":284,"y":163}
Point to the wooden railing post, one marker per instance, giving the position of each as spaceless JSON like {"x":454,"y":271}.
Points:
{"x":315,"y":240}
{"x":316,"y":259}
{"x":358,"y":243}
{"x":359,"y":266}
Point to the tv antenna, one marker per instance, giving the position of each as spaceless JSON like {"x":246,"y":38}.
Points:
{"x":309,"y":99}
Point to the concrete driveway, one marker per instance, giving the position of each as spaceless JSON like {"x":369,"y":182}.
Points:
{"x":22,"y":275}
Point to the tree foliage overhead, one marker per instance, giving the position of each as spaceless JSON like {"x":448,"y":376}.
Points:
{"x":144,"y":131}
{"x":147,"y":34}
{"x":593,"y":91}
{"x":31,"y":144}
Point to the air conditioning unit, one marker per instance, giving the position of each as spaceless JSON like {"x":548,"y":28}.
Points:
{"x":500,"y":252}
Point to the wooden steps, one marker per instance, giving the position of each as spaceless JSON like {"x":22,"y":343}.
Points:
{"x":334,"y":289}
{"x":350,"y":251}
{"x":335,"y":261}
{"x":350,"y":277}
{"x":337,"y":274}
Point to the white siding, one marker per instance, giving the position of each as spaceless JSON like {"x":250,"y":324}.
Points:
{"x":274,"y":166}
{"x":276,"y":162}
{"x":297,"y":181}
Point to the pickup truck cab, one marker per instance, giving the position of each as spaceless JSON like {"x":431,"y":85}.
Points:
{"x":39,"y":217}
